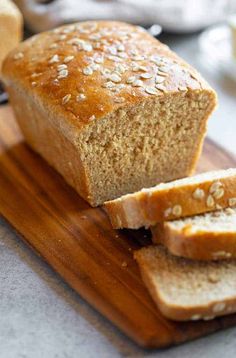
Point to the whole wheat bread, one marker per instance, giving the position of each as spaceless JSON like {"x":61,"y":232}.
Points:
{"x":108,"y":106}
{"x":168,"y":201}
{"x":184,"y":289}
{"x":211,"y":236}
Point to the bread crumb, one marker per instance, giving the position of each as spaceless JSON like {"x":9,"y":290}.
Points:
{"x":124,"y":264}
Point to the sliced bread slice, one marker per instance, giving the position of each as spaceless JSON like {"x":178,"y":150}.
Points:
{"x":211,"y":236}
{"x":185,"y":289}
{"x":168,"y":201}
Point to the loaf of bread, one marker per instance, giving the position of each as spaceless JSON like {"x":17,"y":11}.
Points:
{"x":201,"y":193}
{"x":185,"y":289}
{"x":11,"y":26}
{"x":109,"y":106}
{"x":211,"y":236}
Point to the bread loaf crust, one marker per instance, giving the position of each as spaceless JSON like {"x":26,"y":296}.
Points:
{"x":33,"y":65}
{"x":150,"y":206}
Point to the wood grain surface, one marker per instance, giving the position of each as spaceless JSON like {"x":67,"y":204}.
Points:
{"x":79,"y":243}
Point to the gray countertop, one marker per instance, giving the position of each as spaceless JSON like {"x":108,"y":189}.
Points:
{"x":41,"y":316}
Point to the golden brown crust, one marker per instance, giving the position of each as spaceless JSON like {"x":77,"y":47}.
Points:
{"x":50,"y":143}
{"x":156,"y":206}
{"x":101,"y":46}
{"x":199,"y":246}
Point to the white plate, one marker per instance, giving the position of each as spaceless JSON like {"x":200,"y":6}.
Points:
{"x":215,"y":46}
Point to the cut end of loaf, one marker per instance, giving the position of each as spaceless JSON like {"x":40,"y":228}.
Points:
{"x":145,"y":144}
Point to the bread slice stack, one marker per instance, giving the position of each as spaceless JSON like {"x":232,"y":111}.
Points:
{"x":190,"y":270}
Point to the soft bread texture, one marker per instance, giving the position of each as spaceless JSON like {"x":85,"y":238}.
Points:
{"x":168,"y":201}
{"x":210,"y":236}
{"x":185,"y":289}
{"x":109,"y":106}
{"x":11,"y":26}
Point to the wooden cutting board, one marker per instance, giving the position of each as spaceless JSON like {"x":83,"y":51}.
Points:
{"x":79,"y":243}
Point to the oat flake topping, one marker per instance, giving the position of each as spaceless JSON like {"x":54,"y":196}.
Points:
{"x":117,"y":59}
